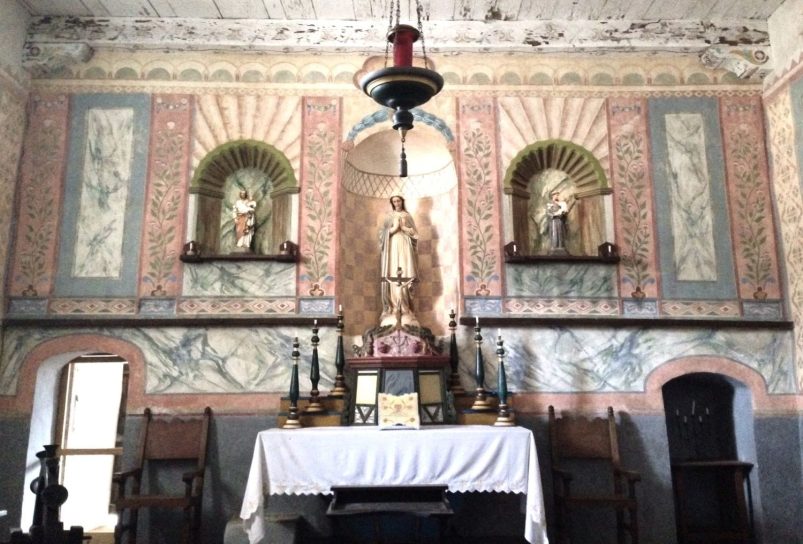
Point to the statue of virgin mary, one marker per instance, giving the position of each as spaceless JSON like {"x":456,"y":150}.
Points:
{"x":399,"y":267}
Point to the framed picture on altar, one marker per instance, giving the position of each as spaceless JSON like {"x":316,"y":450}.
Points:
{"x":398,"y":411}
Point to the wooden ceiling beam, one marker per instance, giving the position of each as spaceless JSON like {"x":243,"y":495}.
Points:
{"x":368,"y":37}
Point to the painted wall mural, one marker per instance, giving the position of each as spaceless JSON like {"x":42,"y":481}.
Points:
{"x":785,"y":136}
{"x":479,"y":172}
{"x":239,"y":278}
{"x":689,"y":189}
{"x":527,"y":120}
{"x":567,"y":359}
{"x":197,"y":360}
{"x":633,"y":190}
{"x":222,"y":118}
{"x":319,"y":199}
{"x":248,"y":359}
{"x":104,"y":195}
{"x":690,"y":198}
{"x":165,"y":203}
{"x":104,"y":191}
{"x":12,"y":117}
{"x":750,"y":198}
{"x":40,"y":189}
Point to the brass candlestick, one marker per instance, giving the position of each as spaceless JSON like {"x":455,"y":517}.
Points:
{"x":481,"y":399}
{"x":340,"y":389}
{"x":314,"y":405}
{"x":504,"y":418}
{"x":454,"y":360}
{"x":292,"y":418}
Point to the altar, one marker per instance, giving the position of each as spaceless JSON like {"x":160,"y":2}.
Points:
{"x":311,"y":461}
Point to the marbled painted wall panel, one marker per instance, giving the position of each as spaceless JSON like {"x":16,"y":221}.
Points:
{"x":12,"y":123}
{"x":239,"y":279}
{"x":569,"y":280}
{"x":632,"y":183}
{"x":196,"y":360}
{"x":563,"y":359}
{"x":785,"y":139}
{"x":688,"y":170}
{"x":527,"y":120}
{"x":40,"y":194}
{"x":107,"y":154}
{"x":750,"y":198}
{"x":319,"y":196}
{"x":165,"y":203}
{"x":478,"y":167}
{"x":104,"y":195}
{"x":577,"y":359}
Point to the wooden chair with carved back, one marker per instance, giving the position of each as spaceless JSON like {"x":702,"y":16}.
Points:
{"x":165,"y":440}
{"x":576,"y":441}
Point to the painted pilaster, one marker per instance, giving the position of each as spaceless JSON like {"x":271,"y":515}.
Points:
{"x":319,"y":177}
{"x":479,"y":200}
{"x":40,"y":194}
{"x":785,"y":135}
{"x":168,"y":178}
{"x":632,"y":183}
{"x":749,"y":196}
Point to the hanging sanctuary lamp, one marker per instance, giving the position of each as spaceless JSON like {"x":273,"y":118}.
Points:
{"x":402,"y":87}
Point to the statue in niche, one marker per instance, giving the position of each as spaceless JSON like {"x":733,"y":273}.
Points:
{"x":244,"y":215}
{"x":556,"y":211}
{"x":399,"y":333}
{"x":399,"y":265}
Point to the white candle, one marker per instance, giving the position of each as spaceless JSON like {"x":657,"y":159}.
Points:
{"x":514,"y":247}
{"x":340,"y":308}
{"x":477,"y":318}
{"x":500,"y":333}
{"x":314,"y":322}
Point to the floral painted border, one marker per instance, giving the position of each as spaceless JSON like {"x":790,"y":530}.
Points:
{"x":480,"y":203}
{"x":40,"y":189}
{"x":166,"y":194}
{"x":751,"y":203}
{"x":635,"y":229}
{"x":318,"y":214}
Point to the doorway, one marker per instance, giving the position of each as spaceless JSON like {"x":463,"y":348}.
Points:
{"x":709,"y":422}
{"x":79,"y":404}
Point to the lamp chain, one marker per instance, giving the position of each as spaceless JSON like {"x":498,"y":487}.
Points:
{"x":418,"y":10}
{"x":390,"y":26}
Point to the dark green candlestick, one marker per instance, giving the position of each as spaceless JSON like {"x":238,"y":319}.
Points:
{"x":340,"y":388}
{"x":314,"y":374}
{"x":503,"y":419}
{"x":480,"y":400}
{"x":292,"y":418}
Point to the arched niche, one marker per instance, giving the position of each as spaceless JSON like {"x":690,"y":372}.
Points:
{"x":268,"y":177}
{"x":557,"y":165}
{"x":370,"y":178}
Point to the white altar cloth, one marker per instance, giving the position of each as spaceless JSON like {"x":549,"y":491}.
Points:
{"x":463,"y":457}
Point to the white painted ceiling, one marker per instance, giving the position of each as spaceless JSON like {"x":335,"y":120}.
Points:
{"x":444,"y":10}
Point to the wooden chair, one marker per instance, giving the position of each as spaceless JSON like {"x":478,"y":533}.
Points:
{"x":165,"y":439}
{"x":574,"y":442}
